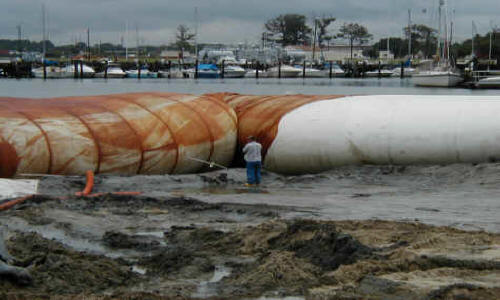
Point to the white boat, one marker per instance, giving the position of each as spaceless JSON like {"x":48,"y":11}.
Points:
{"x":113,"y":72}
{"x":489,"y":83}
{"x":437,"y":79}
{"x":443,"y":75}
{"x":314,"y":73}
{"x":250,"y":73}
{"x":336,"y":71}
{"x":51,"y":72}
{"x":172,"y":74}
{"x":69,"y":71}
{"x":407,"y":72}
{"x":145,"y":73}
{"x":382,"y":73}
{"x":234,"y":71}
{"x":285,"y":70}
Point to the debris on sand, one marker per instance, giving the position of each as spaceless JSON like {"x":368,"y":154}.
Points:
{"x":145,"y":247}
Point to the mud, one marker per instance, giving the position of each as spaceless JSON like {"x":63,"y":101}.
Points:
{"x":207,"y":237}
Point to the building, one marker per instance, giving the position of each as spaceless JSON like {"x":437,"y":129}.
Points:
{"x":385,"y":55}
{"x":331,"y":53}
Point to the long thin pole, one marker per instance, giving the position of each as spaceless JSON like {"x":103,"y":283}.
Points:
{"x":88,"y":43}
{"x":126,"y":41}
{"x":137,"y":40}
{"x":472,"y":40}
{"x":438,"y":50}
{"x":196,"y":31}
{"x":43,"y":32}
{"x":489,"y":55}
{"x":409,"y":33}
{"x":314,"y":38}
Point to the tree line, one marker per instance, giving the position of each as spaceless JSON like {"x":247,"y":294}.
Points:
{"x":294,"y":29}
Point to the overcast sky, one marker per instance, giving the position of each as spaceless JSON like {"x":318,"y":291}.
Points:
{"x":227,"y":21}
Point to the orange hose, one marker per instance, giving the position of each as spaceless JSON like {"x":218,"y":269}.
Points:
{"x":88,"y":186}
{"x":9,"y":204}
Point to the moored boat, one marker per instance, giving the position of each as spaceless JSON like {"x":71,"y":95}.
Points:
{"x":381,"y":73}
{"x":283,"y":71}
{"x":437,"y":78}
{"x":204,"y":71}
{"x":145,"y":73}
{"x":489,"y":83}
{"x":114,"y":71}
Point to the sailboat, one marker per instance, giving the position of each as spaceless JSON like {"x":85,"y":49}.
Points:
{"x":443,"y":75}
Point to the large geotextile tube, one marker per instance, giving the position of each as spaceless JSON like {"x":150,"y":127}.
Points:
{"x":308,"y":134}
{"x":138,"y":133}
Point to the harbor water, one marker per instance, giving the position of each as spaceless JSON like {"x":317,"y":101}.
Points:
{"x":39,"y":88}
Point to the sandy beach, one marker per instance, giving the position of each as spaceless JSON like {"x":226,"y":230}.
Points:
{"x":367,"y":232}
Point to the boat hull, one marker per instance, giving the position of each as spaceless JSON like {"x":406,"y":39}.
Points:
{"x":489,"y":83}
{"x":436,"y":79}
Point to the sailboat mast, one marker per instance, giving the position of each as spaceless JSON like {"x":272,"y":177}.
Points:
{"x":446,"y":48}
{"x":472,"y":40}
{"x":438,"y":50}
{"x":126,"y":41}
{"x":137,"y":40}
{"x":88,"y":43}
{"x":196,"y":32}
{"x":314,"y":38}
{"x":489,"y":55}
{"x":409,"y":33}
{"x":43,"y":32}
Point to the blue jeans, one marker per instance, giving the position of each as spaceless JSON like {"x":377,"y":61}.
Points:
{"x":253,"y":172}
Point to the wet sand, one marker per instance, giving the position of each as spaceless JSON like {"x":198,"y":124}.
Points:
{"x":352,"y":233}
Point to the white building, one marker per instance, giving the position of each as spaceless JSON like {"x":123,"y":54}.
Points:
{"x":385,"y":55}
{"x":331,"y":53}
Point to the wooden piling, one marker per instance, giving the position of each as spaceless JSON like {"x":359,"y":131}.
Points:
{"x":196,"y":70}
{"x":44,"y":70}
{"x":304,"y":70}
{"x":257,"y":70}
{"x":106,"y":71}
{"x":222,"y":69}
{"x":75,"y":69}
{"x":402,"y":70}
{"x":331,"y":69}
{"x":379,"y":70}
{"x":139,"y":70}
{"x":279,"y":69}
{"x":81,"y":68}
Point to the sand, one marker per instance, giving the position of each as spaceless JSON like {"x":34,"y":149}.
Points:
{"x":352,"y":233}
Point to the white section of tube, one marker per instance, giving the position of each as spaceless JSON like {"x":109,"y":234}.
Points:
{"x":386,"y":129}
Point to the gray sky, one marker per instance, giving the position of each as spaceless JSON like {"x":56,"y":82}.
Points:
{"x":228,"y":21}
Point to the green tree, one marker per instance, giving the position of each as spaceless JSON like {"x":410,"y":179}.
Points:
{"x":184,"y":37}
{"x":289,"y":29}
{"x":354,"y":32}
{"x":322,"y":25}
{"x":424,"y":39}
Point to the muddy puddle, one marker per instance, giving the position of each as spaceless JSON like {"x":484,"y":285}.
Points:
{"x":207,"y":237}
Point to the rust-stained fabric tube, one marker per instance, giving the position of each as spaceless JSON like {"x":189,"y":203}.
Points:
{"x":138,"y":133}
{"x":260,"y":115}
